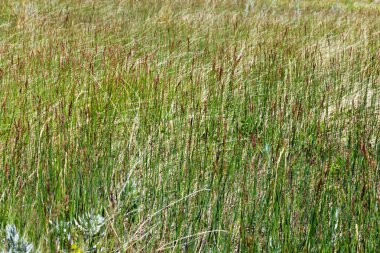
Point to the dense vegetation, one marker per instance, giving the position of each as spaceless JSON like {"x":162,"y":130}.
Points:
{"x":190,"y":125}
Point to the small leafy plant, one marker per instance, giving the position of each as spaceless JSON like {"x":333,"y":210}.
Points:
{"x":15,"y":243}
{"x":91,"y":225}
{"x":80,"y":235}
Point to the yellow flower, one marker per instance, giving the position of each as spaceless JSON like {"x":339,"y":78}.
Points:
{"x":76,"y":249}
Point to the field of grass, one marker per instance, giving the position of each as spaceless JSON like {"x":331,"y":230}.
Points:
{"x":190,"y":125}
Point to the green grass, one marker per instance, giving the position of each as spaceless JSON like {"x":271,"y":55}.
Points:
{"x":192,"y":125}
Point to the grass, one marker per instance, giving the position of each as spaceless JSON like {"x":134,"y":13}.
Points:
{"x":191,"y":125}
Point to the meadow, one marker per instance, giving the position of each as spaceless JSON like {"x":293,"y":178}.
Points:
{"x":189,"y":126}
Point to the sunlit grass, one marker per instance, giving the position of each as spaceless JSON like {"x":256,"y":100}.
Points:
{"x":191,"y":126}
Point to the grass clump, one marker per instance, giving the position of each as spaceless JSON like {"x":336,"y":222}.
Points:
{"x":190,"y":125}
